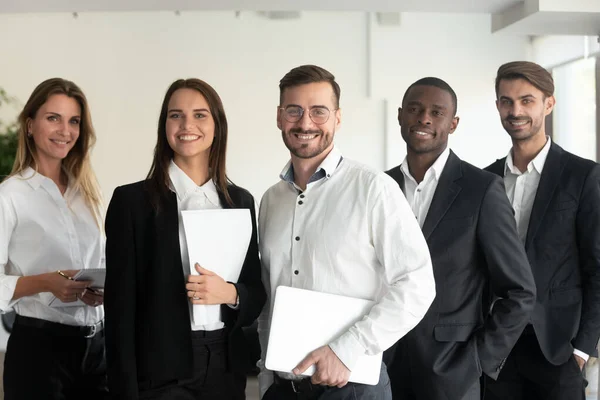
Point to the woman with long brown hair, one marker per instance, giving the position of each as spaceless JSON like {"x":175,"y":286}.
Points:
{"x":155,"y":349}
{"x":50,"y":227}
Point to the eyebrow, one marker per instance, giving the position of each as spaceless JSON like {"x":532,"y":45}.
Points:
{"x":311,"y":107}
{"x":526,"y":96}
{"x":195,"y":110}
{"x":55,"y":113}
{"x":418,"y":103}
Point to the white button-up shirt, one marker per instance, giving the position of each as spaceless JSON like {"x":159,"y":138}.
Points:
{"x":193,"y":197}
{"x":420,"y":195}
{"x":43,"y":231}
{"x":521,"y":188}
{"x":349,"y":233}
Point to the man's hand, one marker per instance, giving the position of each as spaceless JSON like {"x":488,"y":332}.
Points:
{"x":330,"y":370}
{"x":580,"y":361}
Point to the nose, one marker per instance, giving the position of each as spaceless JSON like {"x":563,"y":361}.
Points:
{"x":424,"y":118}
{"x":515,"y":110}
{"x":305,"y":122}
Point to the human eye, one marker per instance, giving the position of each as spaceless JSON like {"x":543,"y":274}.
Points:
{"x":52,"y":118}
{"x":75,"y":121}
{"x":174,"y":115}
{"x":200,"y":115}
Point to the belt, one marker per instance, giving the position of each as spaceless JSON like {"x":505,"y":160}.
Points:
{"x":86,"y":331}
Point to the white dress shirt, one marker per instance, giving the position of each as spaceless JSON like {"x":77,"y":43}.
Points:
{"x":349,"y":233}
{"x":420,"y":195}
{"x":193,"y":197}
{"x":43,"y":231}
{"x":521,"y":188}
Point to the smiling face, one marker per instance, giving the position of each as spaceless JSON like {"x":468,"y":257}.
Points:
{"x":305,"y":139}
{"x":523,"y":109}
{"x":426,"y":119}
{"x":190,"y":127}
{"x":55,"y":128}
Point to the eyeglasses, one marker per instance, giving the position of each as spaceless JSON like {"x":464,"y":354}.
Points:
{"x":318,"y":115}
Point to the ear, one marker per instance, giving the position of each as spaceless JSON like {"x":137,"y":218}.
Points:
{"x":29,"y":125}
{"x":454,"y":124}
{"x":549,"y":105}
{"x":338,"y":119}
{"x":279,"y":116}
{"x":400,"y":116}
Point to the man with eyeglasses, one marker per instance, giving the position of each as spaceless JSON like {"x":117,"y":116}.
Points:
{"x":333,"y":225}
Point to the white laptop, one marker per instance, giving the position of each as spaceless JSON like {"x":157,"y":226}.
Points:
{"x":304,"y":320}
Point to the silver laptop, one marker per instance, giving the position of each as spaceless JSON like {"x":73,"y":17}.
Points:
{"x":304,"y":320}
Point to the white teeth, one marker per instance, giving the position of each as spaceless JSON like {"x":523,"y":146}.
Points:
{"x":306,"y":137}
{"x":421,"y":133}
{"x":188,"y":138}
{"x":59,"y":142}
{"x":519,"y":123}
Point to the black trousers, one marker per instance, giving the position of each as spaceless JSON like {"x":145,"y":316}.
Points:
{"x":283,"y":389}
{"x":527,"y":375}
{"x":45,"y":360}
{"x":212,"y":379}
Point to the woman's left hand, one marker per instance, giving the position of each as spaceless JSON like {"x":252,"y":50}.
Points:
{"x":210,"y":288}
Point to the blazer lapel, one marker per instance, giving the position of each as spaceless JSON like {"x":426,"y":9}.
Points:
{"x":444,"y":195}
{"x":553,"y":167}
{"x":167,"y":224}
{"x":498,"y":167}
{"x":398,"y":176}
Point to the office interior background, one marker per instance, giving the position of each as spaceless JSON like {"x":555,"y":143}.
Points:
{"x":124,"y":55}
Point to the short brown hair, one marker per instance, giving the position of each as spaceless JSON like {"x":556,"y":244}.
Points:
{"x":305,"y":74}
{"x":531,"y":72}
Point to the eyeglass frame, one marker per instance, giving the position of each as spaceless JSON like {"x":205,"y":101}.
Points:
{"x":309,"y":111}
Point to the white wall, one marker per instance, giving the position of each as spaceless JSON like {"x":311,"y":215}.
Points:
{"x":125,"y":62}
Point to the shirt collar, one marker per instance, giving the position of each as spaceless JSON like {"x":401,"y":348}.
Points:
{"x":436,"y":168}
{"x":35,"y":179}
{"x":538,"y":162}
{"x":326,"y":169}
{"x":183,"y":185}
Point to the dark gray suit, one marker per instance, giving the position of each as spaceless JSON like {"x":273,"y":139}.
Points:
{"x":563,"y":248}
{"x":476,"y":253}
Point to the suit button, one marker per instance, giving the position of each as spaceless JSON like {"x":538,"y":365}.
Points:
{"x":296,"y":272}
{"x":297,"y":238}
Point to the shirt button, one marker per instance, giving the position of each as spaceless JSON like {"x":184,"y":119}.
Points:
{"x":418,"y":190}
{"x":300,"y":202}
{"x":301,"y":196}
{"x":296,"y":272}
{"x":297,"y":238}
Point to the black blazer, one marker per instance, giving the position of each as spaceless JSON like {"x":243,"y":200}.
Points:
{"x":474,"y":246}
{"x":563,"y":247}
{"x":147,"y":317}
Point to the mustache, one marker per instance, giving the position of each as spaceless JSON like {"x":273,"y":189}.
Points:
{"x":306,"y":132}
{"x":513,"y":118}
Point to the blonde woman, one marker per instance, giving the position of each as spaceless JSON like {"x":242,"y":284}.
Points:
{"x":50,"y":227}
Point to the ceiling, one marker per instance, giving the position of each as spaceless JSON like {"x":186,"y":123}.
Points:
{"x":452,"y":6}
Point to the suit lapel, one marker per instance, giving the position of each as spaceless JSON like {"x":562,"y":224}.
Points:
{"x":553,"y":168}
{"x":444,"y":195}
{"x":167,"y":231}
{"x":397,"y":175}
{"x":498,"y":167}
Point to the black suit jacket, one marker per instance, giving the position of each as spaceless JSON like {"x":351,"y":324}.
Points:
{"x":147,"y":317}
{"x":475,"y":249}
{"x":563,"y":247}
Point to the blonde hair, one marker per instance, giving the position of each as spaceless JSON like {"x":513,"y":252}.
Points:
{"x":77,"y":163}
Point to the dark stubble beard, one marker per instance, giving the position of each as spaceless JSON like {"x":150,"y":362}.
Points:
{"x":324,"y":142}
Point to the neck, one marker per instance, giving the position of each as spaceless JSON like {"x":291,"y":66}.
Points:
{"x":523,"y":151}
{"x":418,"y":164}
{"x":51,"y":168}
{"x":196,"y":168}
{"x":304,"y":168}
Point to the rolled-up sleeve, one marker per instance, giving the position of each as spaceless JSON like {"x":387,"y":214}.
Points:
{"x":404,"y":256}
{"x":8,"y":283}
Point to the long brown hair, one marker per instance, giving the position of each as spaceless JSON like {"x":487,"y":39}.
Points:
{"x":158,"y":176}
{"x":77,"y":163}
